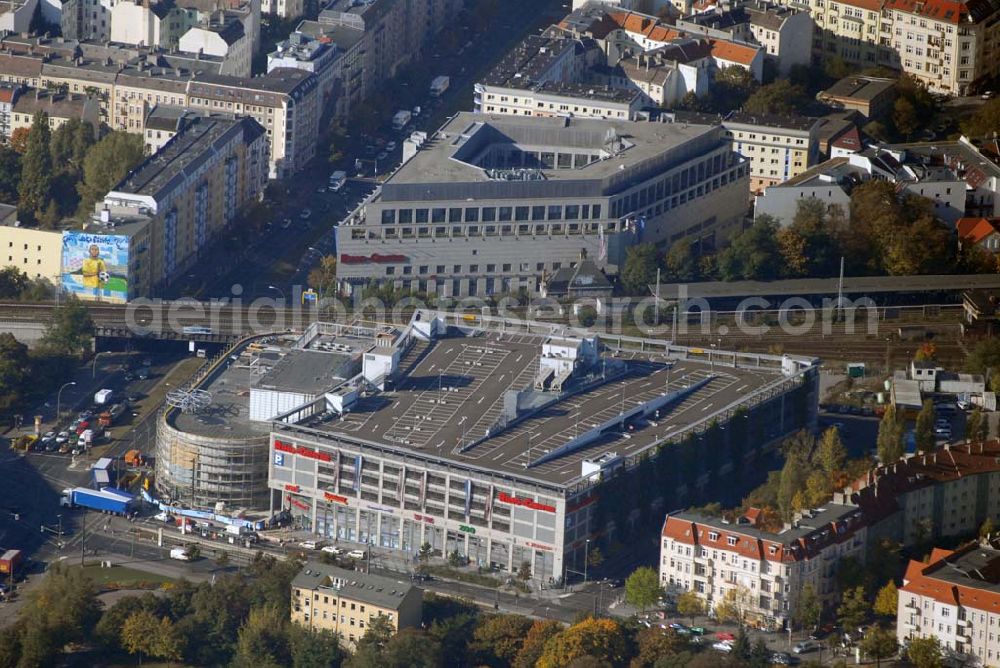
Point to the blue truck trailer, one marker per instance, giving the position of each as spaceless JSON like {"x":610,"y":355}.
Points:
{"x":108,"y":500}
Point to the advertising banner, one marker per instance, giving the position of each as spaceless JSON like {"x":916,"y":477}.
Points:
{"x":95,"y":266}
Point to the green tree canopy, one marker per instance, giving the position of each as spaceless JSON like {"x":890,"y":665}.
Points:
{"x":924,"y":429}
{"x":498,"y":639}
{"x":808,"y":609}
{"x":984,"y":122}
{"x":642,"y":587}
{"x":106,"y":164}
{"x":925,"y":652}
{"x":682,"y":261}
{"x":10,"y":174}
{"x":879,"y":644}
{"x":690,"y":605}
{"x":35,"y":187}
{"x":753,"y":254}
{"x":889,"y":441}
{"x":854,"y":608}
{"x":781,"y":97}
{"x":639,"y":272}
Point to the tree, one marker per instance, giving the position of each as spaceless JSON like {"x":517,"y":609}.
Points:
{"x":534,"y":642}
{"x":412,"y":648}
{"x":498,"y":639}
{"x":314,"y":649}
{"x":879,"y":644}
{"x":904,"y":117}
{"x":924,"y":429}
{"x":733,"y":605}
{"x":222,"y":559}
{"x":682,"y":261}
{"x":642,"y":587}
{"x":753,"y":253}
{"x":639,"y":270}
{"x":654,"y":645}
{"x":263,"y":639}
{"x":144,"y":634}
{"x":19,"y":140}
{"x":983,"y":123}
{"x":10,"y":173}
{"x":192,"y":551}
{"x":781,"y":97}
{"x":69,"y":332}
{"x":107,"y":163}
{"x":987,"y":528}
{"x":425,"y":552}
{"x":690,"y":605}
{"x":854,"y":609}
{"x":323,"y":277}
{"x":35,"y":188}
{"x":889,"y":442}
{"x":524,"y":572}
{"x":793,"y":482}
{"x":69,"y":145}
{"x":985,"y":355}
{"x":886,"y":600}
{"x":14,"y":371}
{"x":831,"y":454}
{"x":977,"y":427}
{"x":808,"y":609}
{"x":731,"y":87}
{"x":808,"y":245}
{"x":925,"y":652}
{"x":601,"y":639}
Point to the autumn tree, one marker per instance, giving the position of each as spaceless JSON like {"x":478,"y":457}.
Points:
{"x":144,"y":634}
{"x":19,"y":140}
{"x":690,"y":605}
{"x":534,"y":642}
{"x":601,"y":639}
{"x":889,"y":442}
{"x":984,"y":122}
{"x":733,"y":605}
{"x":655,"y":645}
{"x":924,"y":429}
{"x":831,"y":454}
{"x":886,"y":600}
{"x":809,"y":245}
{"x":642,"y":587}
{"x":35,"y":188}
{"x":498,"y":639}
{"x":925,"y":652}
{"x":323,"y":277}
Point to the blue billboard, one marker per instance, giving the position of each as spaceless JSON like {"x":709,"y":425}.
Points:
{"x":95,"y":266}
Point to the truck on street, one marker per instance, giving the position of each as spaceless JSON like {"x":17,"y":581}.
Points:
{"x":10,"y":563}
{"x":180,"y":553}
{"x":104,"y":397}
{"x":401,"y":119}
{"x":101,"y":472}
{"x":439,"y":85}
{"x":106,"y":500}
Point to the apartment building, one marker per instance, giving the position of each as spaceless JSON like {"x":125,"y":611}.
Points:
{"x":777,"y":147}
{"x":857,"y":31}
{"x":36,"y":252}
{"x":190,"y":190}
{"x":765,"y":570}
{"x":16,"y":16}
{"x":59,"y":107}
{"x":955,"y":597}
{"x":950,"y":46}
{"x":285,"y":103}
{"x":323,"y":58}
{"x":492,"y":203}
{"x":957,"y":177}
{"x":328,"y":598}
{"x":346,"y":67}
{"x":226,"y":40}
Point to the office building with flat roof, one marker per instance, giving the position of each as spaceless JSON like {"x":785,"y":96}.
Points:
{"x":490,"y":204}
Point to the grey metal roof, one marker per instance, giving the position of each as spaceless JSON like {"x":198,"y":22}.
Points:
{"x":306,"y":371}
{"x":376,"y":590}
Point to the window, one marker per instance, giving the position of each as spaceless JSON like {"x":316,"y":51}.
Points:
{"x":713,"y":535}
{"x":437,"y":215}
{"x":538,"y":213}
{"x":731,"y":540}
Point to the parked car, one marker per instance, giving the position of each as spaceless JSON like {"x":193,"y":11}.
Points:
{"x":391,"y":146}
{"x":309,"y":545}
{"x":305,"y":214}
{"x":783,"y":659}
{"x":332,"y":549}
{"x":723,"y":646}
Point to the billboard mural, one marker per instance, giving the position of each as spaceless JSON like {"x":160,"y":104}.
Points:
{"x":95,"y":266}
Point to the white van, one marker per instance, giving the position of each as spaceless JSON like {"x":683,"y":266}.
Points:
{"x":337,"y":180}
{"x":309,"y":545}
{"x":358,"y":554}
{"x":179,"y":553}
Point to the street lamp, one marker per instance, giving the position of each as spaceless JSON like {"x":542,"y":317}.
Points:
{"x":59,"y":400}
{"x":93,"y":369}
{"x":280,"y":291}
{"x":586,"y":558}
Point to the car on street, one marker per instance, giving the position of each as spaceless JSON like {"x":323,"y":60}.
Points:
{"x":305,"y":214}
{"x":382,"y":155}
{"x":321,"y":190}
{"x":805,"y":647}
{"x":821,"y":632}
{"x":62,"y":437}
{"x":964,"y":404}
{"x":783,"y":659}
{"x":723,"y":646}
{"x":391,"y":146}
{"x":309,"y":545}
{"x":332,"y":549}
{"x":286,"y":223}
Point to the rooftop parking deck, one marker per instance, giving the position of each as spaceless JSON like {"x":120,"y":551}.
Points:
{"x":450,"y":400}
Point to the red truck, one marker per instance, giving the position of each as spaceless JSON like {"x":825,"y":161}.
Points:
{"x":10,"y":562}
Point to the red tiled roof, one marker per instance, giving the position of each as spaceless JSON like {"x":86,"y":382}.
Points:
{"x":949,"y":11}
{"x":7,"y":94}
{"x":920,"y":580}
{"x":733,"y":53}
{"x":976,"y":229}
